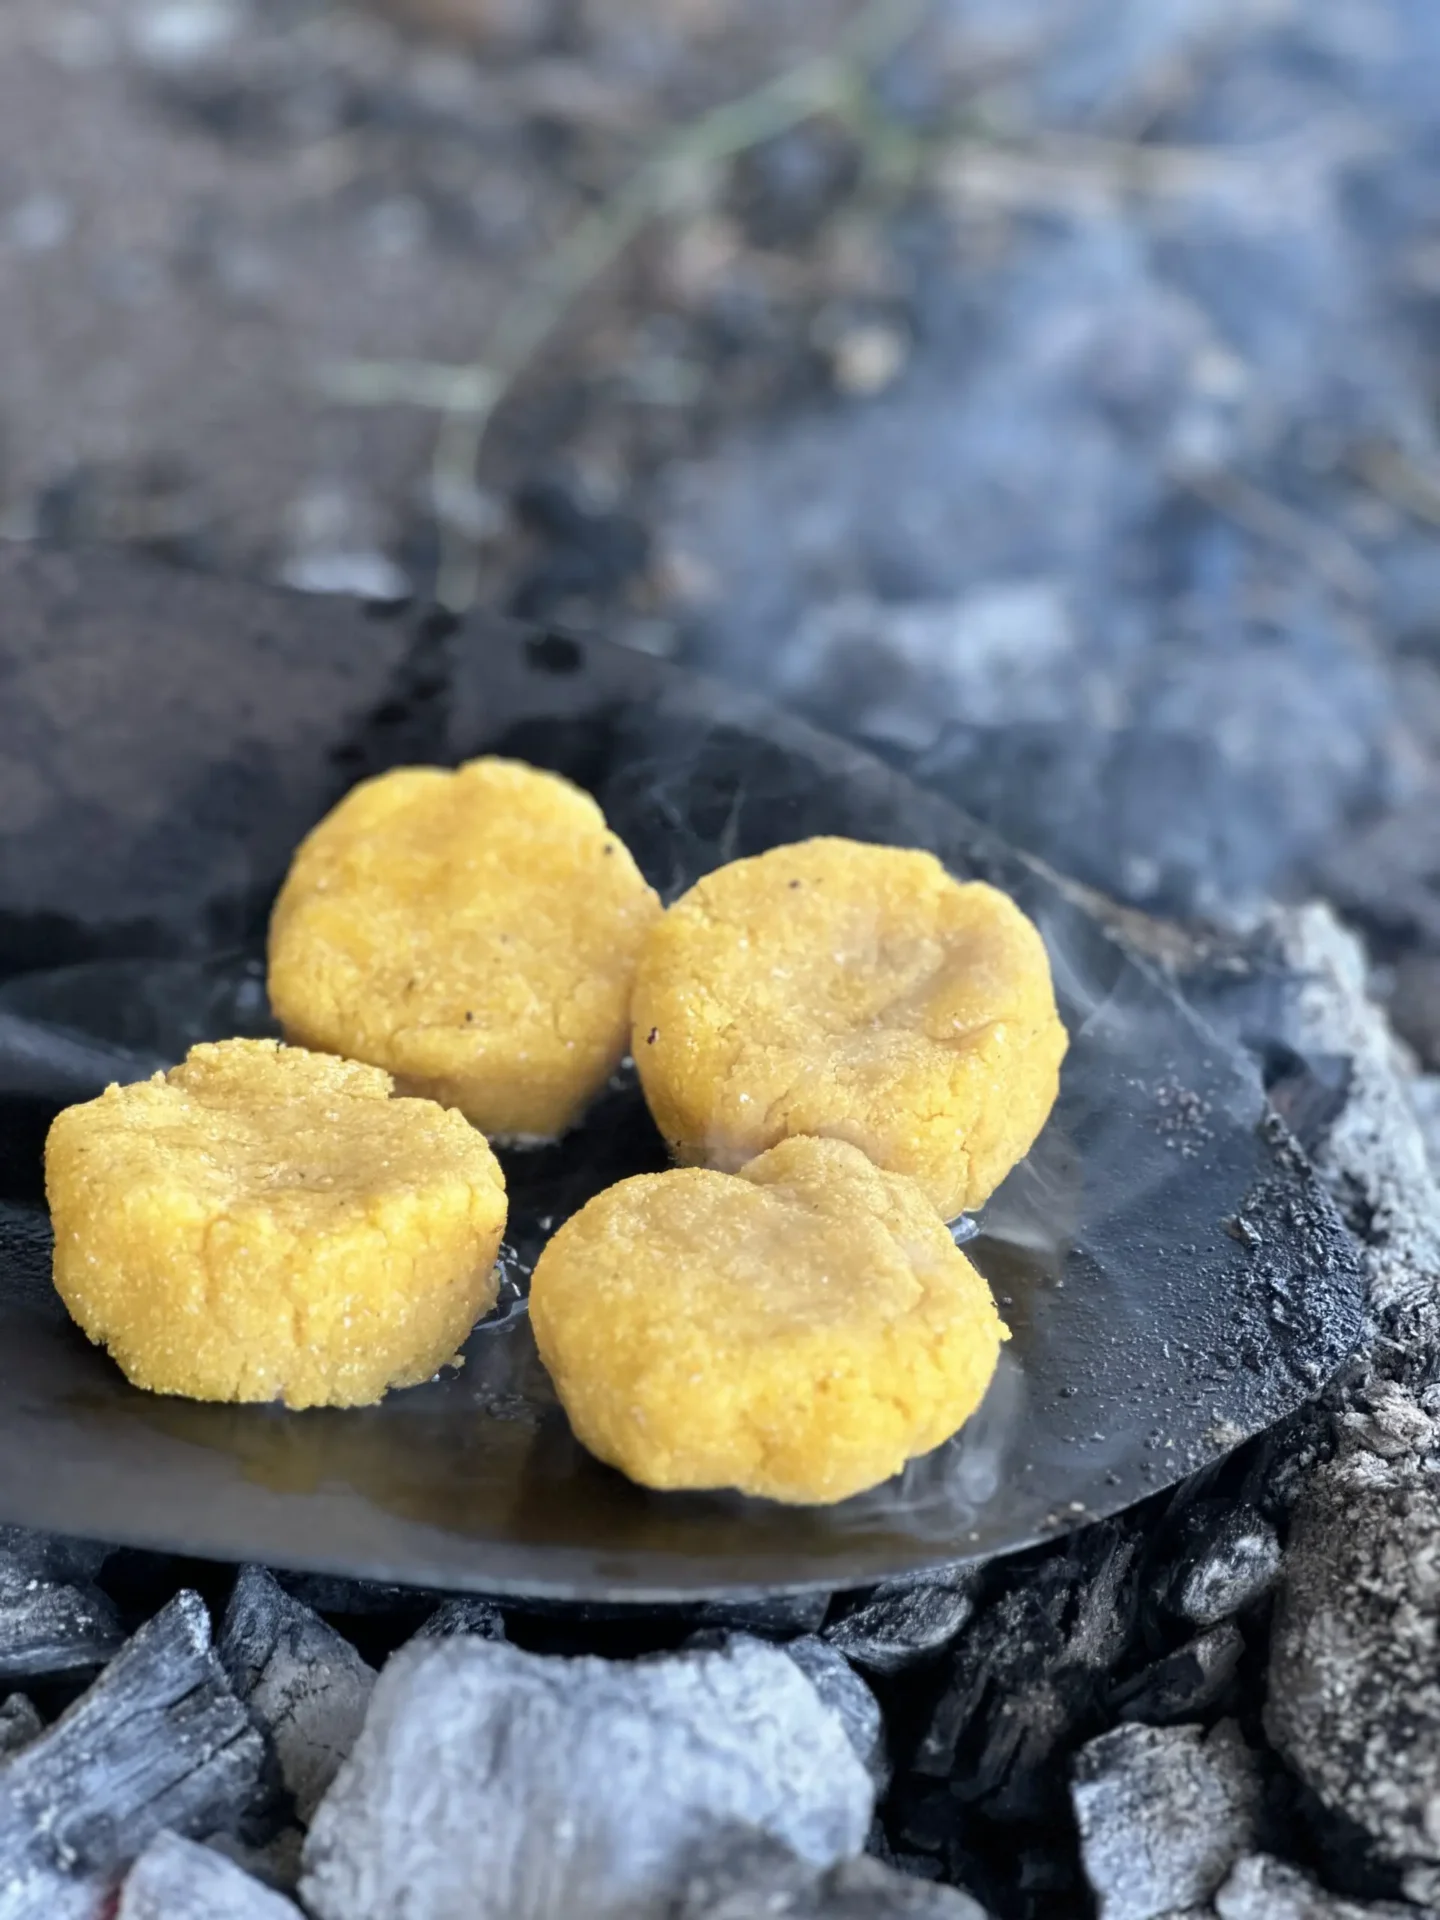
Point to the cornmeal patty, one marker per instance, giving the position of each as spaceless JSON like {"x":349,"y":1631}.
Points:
{"x":267,"y":1224}
{"x":857,"y":993}
{"x":798,"y":1330}
{"x":475,"y":933}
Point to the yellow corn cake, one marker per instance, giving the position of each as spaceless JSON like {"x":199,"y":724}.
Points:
{"x":475,"y":933}
{"x":798,"y":1330}
{"x":267,"y":1224}
{"x":857,"y":993}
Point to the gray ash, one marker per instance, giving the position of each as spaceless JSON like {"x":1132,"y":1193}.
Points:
{"x":1183,"y":1114}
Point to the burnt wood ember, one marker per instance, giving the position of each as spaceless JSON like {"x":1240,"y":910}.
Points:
{"x":1261,"y":1888}
{"x":1230,"y":1560}
{"x":1354,"y":1702}
{"x":846,"y":1694}
{"x":19,"y":1724}
{"x":900,"y":1624}
{"x":1195,"y":1680}
{"x":1026,"y":1675}
{"x":362,"y":1599}
{"x":476,"y":1619}
{"x":273,"y":1860}
{"x":755,"y":1879}
{"x":306,"y":1688}
{"x":176,"y":1880}
{"x":1163,"y":1813}
{"x":1374,"y":1158}
{"x":159,"y":1741}
{"x":491,"y":1784}
{"x":53,"y":1619}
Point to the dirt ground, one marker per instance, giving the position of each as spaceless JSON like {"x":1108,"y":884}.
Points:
{"x":208,"y":207}
{"x":1044,"y":390}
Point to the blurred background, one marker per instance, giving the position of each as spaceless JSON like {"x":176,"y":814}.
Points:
{"x":1043,"y":391}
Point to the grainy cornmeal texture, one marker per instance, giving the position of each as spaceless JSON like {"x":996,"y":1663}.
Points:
{"x":798,"y":1330}
{"x":475,"y":933}
{"x":266,"y":1224}
{"x":855,"y":992}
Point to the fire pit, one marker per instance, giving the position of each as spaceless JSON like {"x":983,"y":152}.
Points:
{"x":1180,"y":1278}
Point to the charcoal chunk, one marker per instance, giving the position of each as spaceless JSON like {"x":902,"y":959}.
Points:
{"x":1260,"y":1888}
{"x":750,"y":1877}
{"x":53,"y":1619}
{"x":1375,"y":1160}
{"x":838,"y":1685}
{"x":1354,"y":1695}
{"x":924,"y":1817}
{"x":158,"y":1741}
{"x":360,"y":1599}
{"x":1163,"y":1815}
{"x":847,"y":1695}
{"x":1185,"y":1684}
{"x":306,"y":1687}
{"x":491,"y":1784}
{"x":481,"y":1619}
{"x":55,"y":1555}
{"x":899,"y":1625}
{"x":1232,"y":1560}
{"x":773,"y":1618}
{"x":274,"y":1861}
{"x":19,"y":1724}
{"x":1026,"y":1676}
{"x":45,"y":1893}
{"x":176,"y":1880}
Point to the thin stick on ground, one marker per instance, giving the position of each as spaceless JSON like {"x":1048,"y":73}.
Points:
{"x":1327,"y":550}
{"x":467,"y":397}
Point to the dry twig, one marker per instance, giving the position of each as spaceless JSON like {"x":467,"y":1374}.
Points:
{"x":466,"y":397}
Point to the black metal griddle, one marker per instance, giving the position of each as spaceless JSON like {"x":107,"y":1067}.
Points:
{"x":1174,"y":1278}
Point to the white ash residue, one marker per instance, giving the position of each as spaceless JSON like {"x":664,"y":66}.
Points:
{"x":492,"y":1784}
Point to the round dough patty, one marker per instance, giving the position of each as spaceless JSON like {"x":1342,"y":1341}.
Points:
{"x":799,"y":1330}
{"x":475,"y":933}
{"x":858,"y":993}
{"x":266,"y":1224}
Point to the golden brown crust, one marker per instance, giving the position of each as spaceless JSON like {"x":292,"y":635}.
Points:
{"x":474,"y":933}
{"x":797,"y":1331}
{"x":267,"y":1224}
{"x":855,"y":992}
